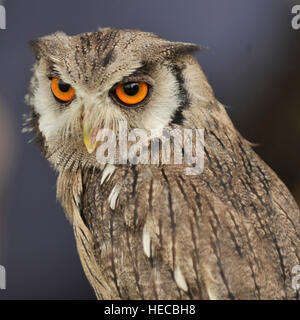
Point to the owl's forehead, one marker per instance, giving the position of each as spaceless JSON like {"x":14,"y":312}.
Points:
{"x":102,"y":49}
{"x":94,"y":57}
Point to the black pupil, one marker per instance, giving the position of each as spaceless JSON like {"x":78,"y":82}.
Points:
{"x":131,"y":88}
{"x":64,"y":87}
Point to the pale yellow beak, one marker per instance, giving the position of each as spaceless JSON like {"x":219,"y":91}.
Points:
{"x":89,"y":138}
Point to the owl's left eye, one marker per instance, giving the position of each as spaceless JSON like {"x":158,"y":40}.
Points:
{"x":132,"y":93}
{"x":62,"y":91}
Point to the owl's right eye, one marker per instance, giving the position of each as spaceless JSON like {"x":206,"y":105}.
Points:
{"x":62,"y":91}
{"x":132,"y":93}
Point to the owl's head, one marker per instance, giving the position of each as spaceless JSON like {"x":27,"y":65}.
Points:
{"x":90,"y":81}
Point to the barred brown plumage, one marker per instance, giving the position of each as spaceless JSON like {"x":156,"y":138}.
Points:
{"x":147,"y":231}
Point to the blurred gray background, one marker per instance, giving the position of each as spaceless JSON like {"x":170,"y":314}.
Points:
{"x":253,"y":65}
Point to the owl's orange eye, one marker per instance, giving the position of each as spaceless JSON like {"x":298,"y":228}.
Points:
{"x":61,"y":90}
{"x":132,"y":92}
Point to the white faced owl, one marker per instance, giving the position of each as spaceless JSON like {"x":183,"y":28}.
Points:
{"x":151,"y":231}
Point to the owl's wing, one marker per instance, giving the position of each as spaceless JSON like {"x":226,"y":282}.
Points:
{"x":221,"y":247}
{"x":232,"y":232}
{"x":150,"y":232}
{"x":70,"y":192}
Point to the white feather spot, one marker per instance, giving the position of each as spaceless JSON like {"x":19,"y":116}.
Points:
{"x":180,"y":280}
{"x":211,"y":295}
{"x":107,"y":172}
{"x":146,"y":242}
{"x":114,"y":196}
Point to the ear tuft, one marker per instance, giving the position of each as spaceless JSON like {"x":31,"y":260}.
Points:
{"x":186,"y":48}
{"x":48,"y":45}
{"x":173,"y":49}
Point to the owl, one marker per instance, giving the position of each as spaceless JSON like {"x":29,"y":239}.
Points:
{"x":151,"y":231}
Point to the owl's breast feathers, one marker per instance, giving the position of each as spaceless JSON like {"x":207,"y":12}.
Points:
{"x":152,"y":232}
